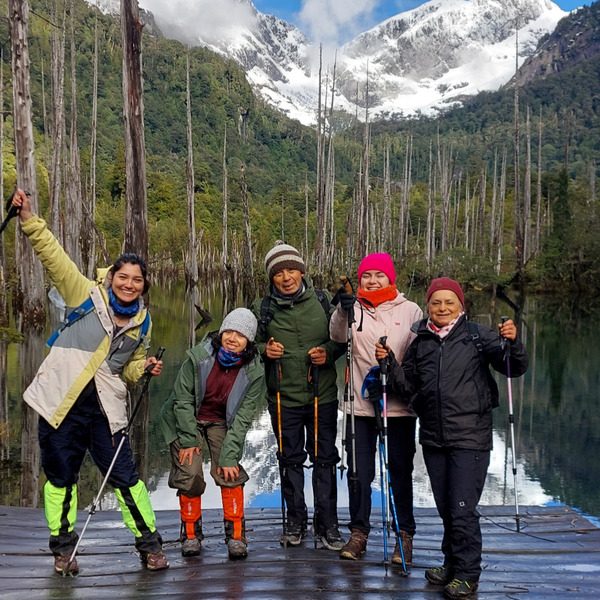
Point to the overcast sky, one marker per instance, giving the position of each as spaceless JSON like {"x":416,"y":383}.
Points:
{"x":332,"y":22}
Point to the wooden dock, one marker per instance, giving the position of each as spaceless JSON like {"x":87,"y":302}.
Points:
{"x":555,"y":556}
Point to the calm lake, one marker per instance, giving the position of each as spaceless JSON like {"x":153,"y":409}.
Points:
{"x":557,"y":421}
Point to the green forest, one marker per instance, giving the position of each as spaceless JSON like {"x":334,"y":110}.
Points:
{"x":477,"y":193}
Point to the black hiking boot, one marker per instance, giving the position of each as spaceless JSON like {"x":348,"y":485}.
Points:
{"x":460,"y":588}
{"x":331,"y":539}
{"x":439,"y":575}
{"x":294,"y":534}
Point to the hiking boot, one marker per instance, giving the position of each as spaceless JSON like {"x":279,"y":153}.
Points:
{"x":460,"y":588}
{"x":237,"y":549}
{"x":439,"y":575}
{"x":294,"y":534}
{"x":356,"y":546}
{"x":331,"y":539}
{"x":60,"y":565}
{"x":154,"y":561}
{"x":407,"y":548}
{"x":190,"y":547}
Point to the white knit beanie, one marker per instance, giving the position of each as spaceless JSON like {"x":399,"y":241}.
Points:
{"x":241,"y":320}
{"x":283,"y":256}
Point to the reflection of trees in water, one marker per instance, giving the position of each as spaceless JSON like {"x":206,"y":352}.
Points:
{"x":556,"y":418}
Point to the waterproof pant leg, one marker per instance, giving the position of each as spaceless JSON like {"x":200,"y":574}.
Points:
{"x":401,"y":452}
{"x":457,"y":480}
{"x":291,"y":461}
{"x":60,"y":509}
{"x":324,"y":474}
{"x":359,"y":486}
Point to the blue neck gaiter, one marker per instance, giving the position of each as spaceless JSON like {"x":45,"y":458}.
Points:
{"x":123,"y":310}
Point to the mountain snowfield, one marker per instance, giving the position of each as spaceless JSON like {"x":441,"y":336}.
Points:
{"x":418,"y":62}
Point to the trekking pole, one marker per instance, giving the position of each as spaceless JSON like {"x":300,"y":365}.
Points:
{"x":315,"y":382}
{"x":511,"y":421}
{"x":391,"y":500}
{"x":350,"y":397}
{"x":280,"y":445}
{"x":124,"y":435}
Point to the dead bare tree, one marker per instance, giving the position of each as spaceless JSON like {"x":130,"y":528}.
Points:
{"x":30,"y":294}
{"x":225,"y":234}
{"x":248,"y":283}
{"x":74,"y":197}
{"x":136,"y":216}
{"x":527,"y":244}
{"x":191,"y":262}
{"x":57,"y":68}
{"x":386,"y":229}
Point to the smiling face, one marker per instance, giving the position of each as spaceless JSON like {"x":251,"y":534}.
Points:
{"x":374,"y":280}
{"x":287,"y":281}
{"x":443,"y":307}
{"x":233,"y":341}
{"x":128,"y":283}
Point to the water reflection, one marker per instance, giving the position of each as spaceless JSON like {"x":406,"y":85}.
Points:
{"x":557,"y":424}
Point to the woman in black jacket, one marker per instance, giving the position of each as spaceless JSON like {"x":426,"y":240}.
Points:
{"x":445,"y":372}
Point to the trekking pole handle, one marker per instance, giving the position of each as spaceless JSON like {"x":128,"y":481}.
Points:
{"x":383,"y":365}
{"x":503,"y":320}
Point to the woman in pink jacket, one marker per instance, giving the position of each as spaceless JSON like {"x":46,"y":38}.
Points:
{"x":380,"y":310}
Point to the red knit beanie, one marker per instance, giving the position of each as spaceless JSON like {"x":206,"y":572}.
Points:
{"x":445,"y":283}
{"x":380,"y":261}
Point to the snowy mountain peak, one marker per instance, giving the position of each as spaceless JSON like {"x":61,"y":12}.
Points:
{"x":418,"y":61}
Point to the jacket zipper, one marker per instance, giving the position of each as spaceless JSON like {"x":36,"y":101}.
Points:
{"x":439,"y":393}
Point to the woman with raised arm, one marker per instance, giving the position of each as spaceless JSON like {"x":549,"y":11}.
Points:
{"x":80,"y":390}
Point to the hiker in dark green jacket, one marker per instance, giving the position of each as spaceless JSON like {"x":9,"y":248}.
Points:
{"x":213,"y":403}
{"x":293,"y":337}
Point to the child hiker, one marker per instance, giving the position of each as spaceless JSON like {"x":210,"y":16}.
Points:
{"x":213,"y":402}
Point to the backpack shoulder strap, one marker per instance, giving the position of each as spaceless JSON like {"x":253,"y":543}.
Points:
{"x":145,"y":326}
{"x":324,"y":300}
{"x":476,"y":339}
{"x":474,"y":335}
{"x":77,"y":313}
{"x":265,"y":317}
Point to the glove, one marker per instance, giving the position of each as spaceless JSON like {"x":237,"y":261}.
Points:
{"x":371,"y":387}
{"x":347,"y":301}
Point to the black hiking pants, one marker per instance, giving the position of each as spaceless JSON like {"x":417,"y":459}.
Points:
{"x":297,"y":424}
{"x":457,"y":479}
{"x":401,"y":452}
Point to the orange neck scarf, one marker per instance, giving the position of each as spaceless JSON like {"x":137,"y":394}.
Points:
{"x":373,"y":298}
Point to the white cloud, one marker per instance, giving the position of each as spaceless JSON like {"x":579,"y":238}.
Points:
{"x":212,"y":20}
{"x":333,"y":22}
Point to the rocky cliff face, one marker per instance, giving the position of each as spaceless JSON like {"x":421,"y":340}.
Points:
{"x":574,"y":40}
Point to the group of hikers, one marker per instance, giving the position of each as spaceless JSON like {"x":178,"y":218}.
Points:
{"x":400,"y":367}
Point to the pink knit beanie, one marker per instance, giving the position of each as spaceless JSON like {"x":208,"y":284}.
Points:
{"x":379,"y":261}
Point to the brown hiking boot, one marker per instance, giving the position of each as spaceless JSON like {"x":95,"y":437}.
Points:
{"x":155,"y":561}
{"x":407,"y":549}
{"x":62,"y":566}
{"x":356,"y":546}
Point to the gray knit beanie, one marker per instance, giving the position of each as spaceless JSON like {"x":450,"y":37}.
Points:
{"x":241,"y":320}
{"x":283,"y":256}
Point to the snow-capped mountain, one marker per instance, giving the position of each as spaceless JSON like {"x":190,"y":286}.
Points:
{"x":418,"y":61}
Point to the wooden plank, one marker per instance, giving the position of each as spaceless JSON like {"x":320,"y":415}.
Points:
{"x":557,"y":554}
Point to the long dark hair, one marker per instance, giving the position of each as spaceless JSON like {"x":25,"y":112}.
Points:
{"x":132,"y":259}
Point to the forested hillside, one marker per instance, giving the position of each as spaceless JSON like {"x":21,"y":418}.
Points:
{"x":452,"y":195}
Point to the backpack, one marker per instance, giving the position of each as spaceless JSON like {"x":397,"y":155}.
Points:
{"x":476,"y":339}
{"x":86,"y":307}
{"x":266,"y":314}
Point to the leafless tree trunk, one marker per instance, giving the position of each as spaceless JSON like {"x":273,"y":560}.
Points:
{"x":31,"y":298}
{"x":4,"y":320}
{"x":386,"y":229}
{"x":501,"y":208}
{"x":539,"y":201}
{"x":74,"y":200}
{"x":191,"y":264}
{"x":306,"y":217}
{"x":430,"y":230}
{"x":88,"y":231}
{"x":224,"y":246}
{"x":248,"y":285}
{"x":527,"y":192}
{"x":519,"y":243}
{"x":136,"y":217}
{"x":404,"y":198}
{"x":57,"y":66}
